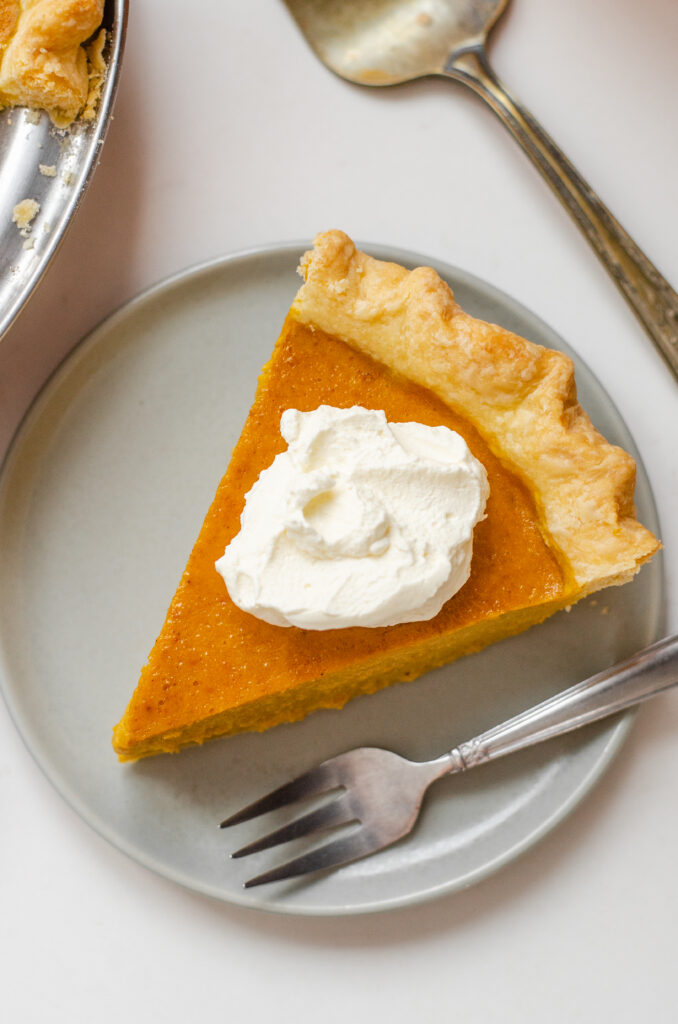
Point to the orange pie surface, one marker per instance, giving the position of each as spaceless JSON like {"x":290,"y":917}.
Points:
{"x":217,"y":670}
{"x":214,"y":661}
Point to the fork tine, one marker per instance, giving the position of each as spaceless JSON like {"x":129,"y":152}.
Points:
{"x":330,"y":855}
{"x":335,"y":812}
{"x":309,"y":784}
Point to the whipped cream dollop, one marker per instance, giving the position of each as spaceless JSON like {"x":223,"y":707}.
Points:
{"x":361,"y":522}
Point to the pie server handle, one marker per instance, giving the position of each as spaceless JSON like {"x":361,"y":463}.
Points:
{"x":651,"y":297}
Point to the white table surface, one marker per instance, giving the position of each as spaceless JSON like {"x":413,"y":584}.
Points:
{"x":229,"y":134}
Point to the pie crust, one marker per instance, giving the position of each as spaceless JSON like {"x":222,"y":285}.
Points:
{"x":560,"y":521}
{"x":43,"y":62}
{"x":521,"y":397}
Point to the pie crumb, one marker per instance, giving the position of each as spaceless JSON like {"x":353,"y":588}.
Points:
{"x":24,"y":212}
{"x":49,"y":170}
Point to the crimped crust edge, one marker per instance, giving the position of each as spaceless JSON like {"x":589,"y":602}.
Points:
{"x":519,"y":395}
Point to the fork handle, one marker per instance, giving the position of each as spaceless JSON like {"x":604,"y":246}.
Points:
{"x":650,"y":296}
{"x":645,"y":674}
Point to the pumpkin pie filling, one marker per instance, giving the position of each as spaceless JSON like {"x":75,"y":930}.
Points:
{"x":215,"y":669}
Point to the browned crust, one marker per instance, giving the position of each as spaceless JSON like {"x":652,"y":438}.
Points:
{"x":521,"y":397}
{"x":44,"y":64}
{"x":9,"y":16}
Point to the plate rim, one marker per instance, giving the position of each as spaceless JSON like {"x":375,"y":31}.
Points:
{"x":618,"y":732}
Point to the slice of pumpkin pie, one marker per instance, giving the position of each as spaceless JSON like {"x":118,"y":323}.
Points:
{"x":389,"y":352}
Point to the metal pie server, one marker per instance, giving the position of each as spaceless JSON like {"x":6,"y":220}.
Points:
{"x":387,"y":42}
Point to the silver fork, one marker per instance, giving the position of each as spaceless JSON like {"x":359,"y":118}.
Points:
{"x":380,"y":793}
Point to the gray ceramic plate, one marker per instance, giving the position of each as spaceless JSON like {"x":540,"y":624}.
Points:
{"x":100,"y":500}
